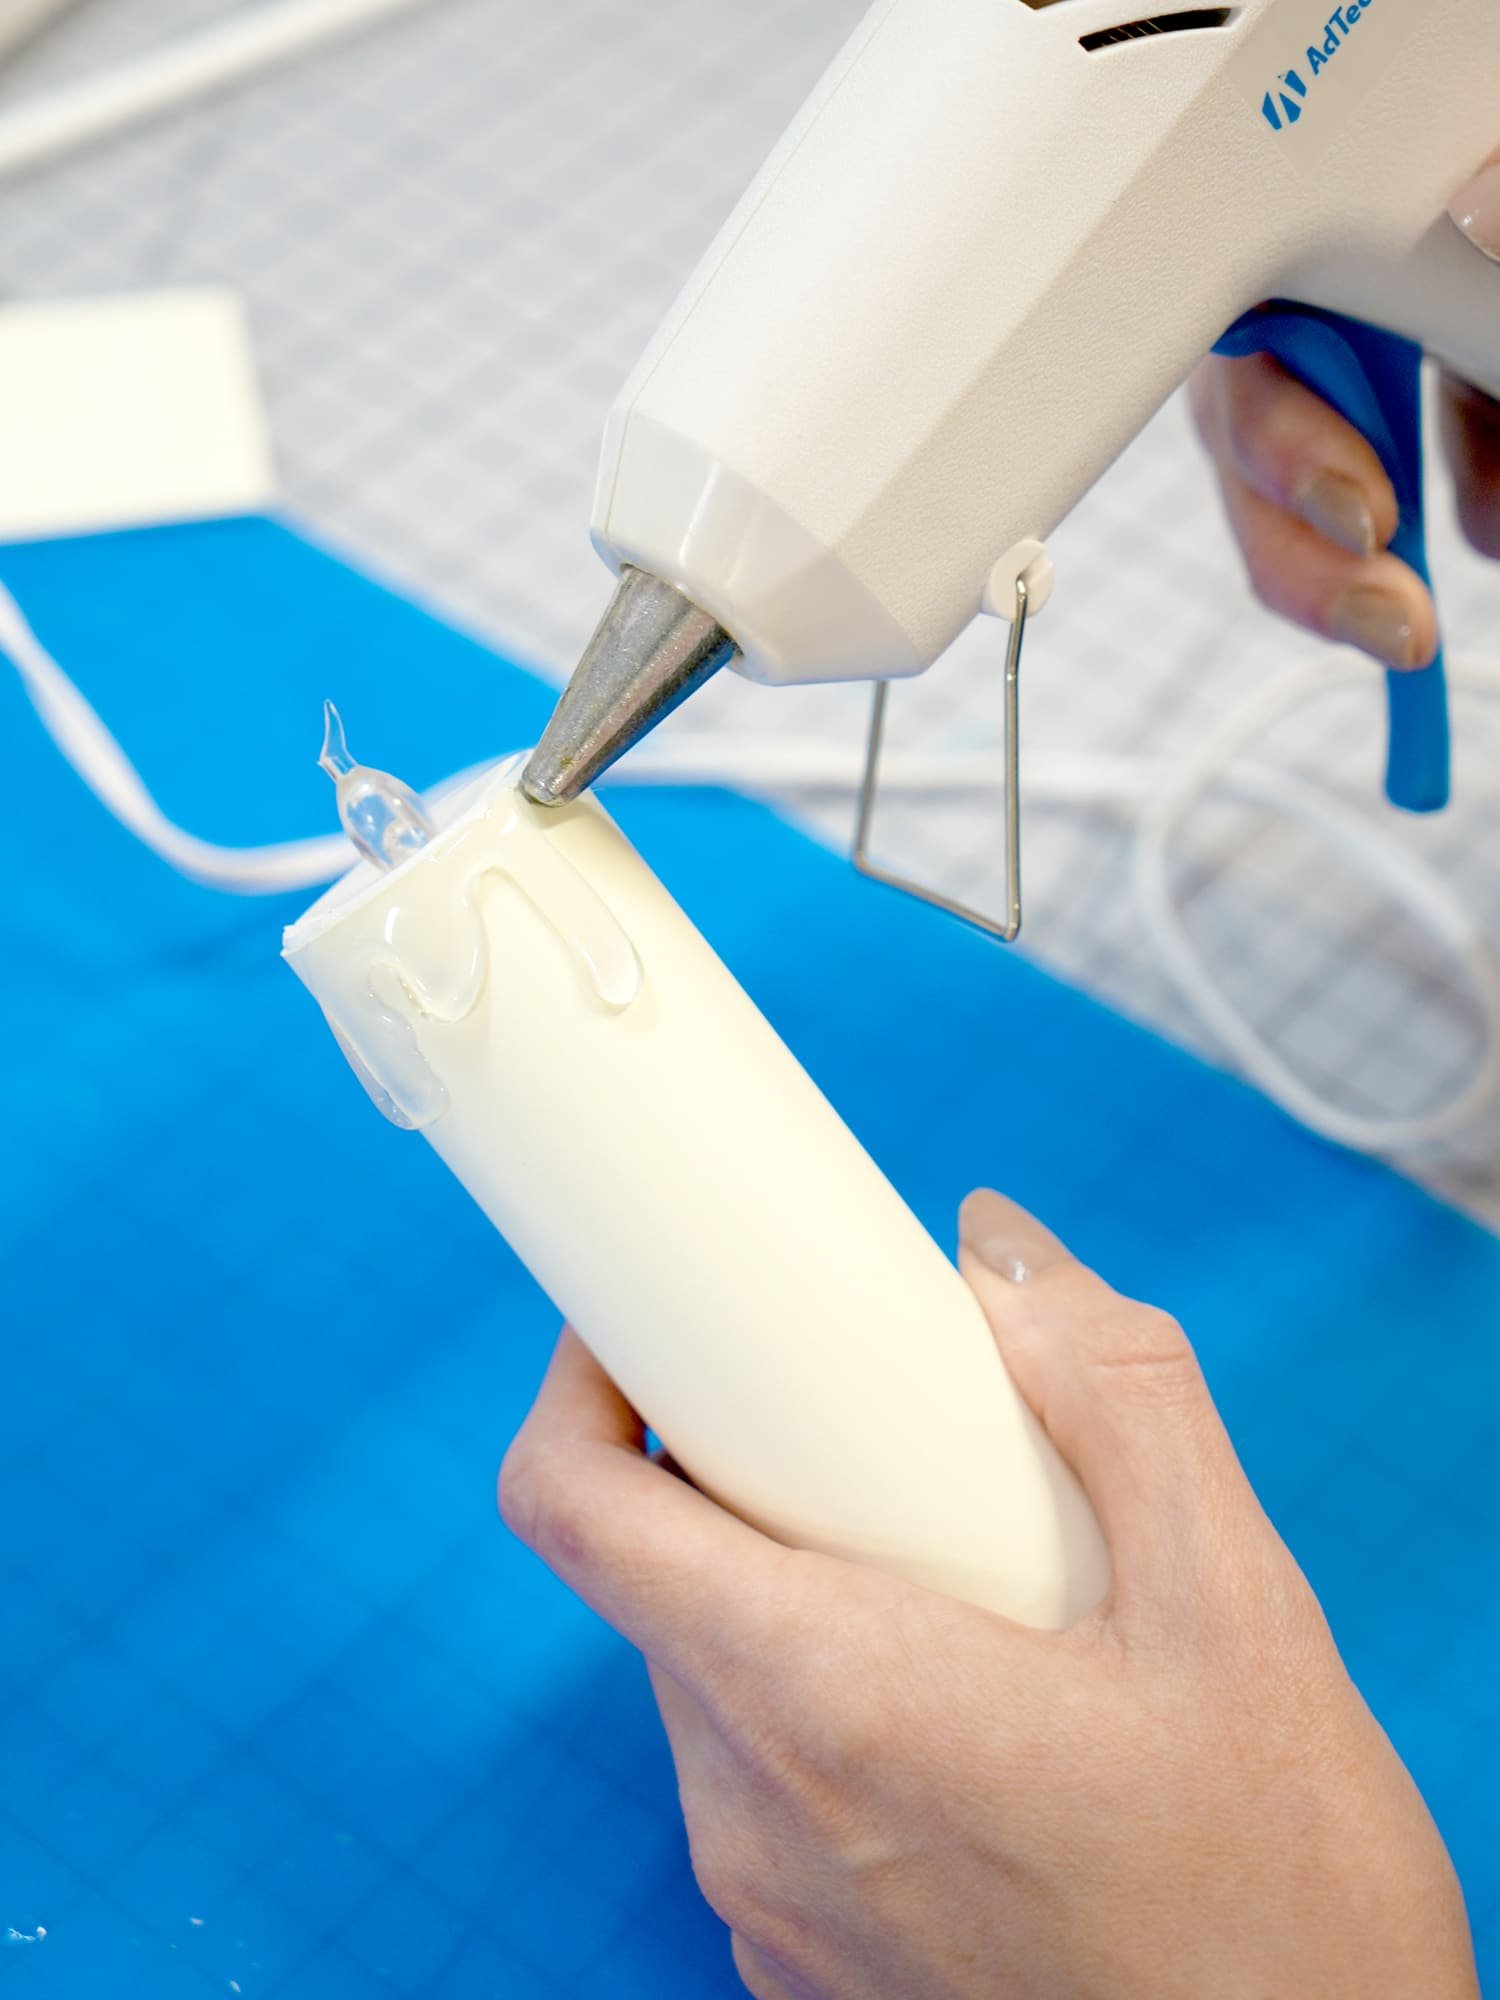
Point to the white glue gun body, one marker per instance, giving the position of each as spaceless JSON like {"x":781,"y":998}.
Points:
{"x":981,"y":259}
{"x":998,"y":236}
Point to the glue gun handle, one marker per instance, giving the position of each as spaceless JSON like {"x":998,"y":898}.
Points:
{"x":1374,"y":379}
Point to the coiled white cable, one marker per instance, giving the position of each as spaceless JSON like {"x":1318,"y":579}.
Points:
{"x":1156,"y":796}
{"x":1370,"y":850}
{"x":215,"y":58}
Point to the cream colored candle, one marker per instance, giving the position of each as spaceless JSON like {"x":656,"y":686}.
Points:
{"x":527,"y":994}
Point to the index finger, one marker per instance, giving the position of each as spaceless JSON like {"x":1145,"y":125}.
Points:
{"x":690,"y":1585}
{"x":1471,"y":434}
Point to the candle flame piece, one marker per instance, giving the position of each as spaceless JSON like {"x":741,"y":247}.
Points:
{"x":334,"y":757}
{"x":384,"y":818}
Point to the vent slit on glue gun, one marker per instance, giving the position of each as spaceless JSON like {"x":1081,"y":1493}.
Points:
{"x":1193,"y":19}
{"x":1180,"y":21}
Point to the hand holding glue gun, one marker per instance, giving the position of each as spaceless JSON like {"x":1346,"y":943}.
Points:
{"x":1314,"y":508}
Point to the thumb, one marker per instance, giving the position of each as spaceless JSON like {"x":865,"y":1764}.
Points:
{"x":1119,"y":1390}
{"x":1476,"y":209}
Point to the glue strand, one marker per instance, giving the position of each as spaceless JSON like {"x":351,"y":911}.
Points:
{"x":1155,"y":797}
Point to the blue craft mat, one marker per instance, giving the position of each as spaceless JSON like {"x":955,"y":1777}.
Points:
{"x":266,"y":1658}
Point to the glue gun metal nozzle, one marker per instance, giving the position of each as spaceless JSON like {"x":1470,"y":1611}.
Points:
{"x":652,"y":648}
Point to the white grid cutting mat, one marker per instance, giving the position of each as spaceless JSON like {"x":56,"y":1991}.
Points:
{"x":454,"y":235}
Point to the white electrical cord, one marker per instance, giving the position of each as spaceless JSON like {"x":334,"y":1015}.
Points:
{"x":1367,"y":848}
{"x":232,"y":52}
{"x":1155,"y":796}
{"x":21,"y":19}
{"x":77,"y":730}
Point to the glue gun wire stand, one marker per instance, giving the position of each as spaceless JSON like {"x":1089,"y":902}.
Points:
{"x":1009,"y":928}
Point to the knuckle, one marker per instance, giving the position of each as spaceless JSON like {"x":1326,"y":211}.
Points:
{"x":1283,"y":1632}
{"x":849,"y":1738}
{"x":725,"y":1874}
{"x":515,"y":1491}
{"x":817,"y":1721}
{"x":758,"y":1976}
{"x":1205,"y":399}
{"x":1241,"y":423}
{"x":1158,"y":1329}
{"x":1271,"y":424}
{"x":1148,"y":1346}
{"x":1263,"y":566}
{"x":538,"y":1500}
{"x":1479,"y":518}
{"x":792,"y":1968}
{"x":1252,"y":403}
{"x":751,"y":1968}
{"x":1477,"y":412}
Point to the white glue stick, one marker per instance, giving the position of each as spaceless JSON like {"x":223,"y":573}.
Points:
{"x":525,"y":992}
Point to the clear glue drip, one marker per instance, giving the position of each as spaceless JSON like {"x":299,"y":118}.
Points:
{"x":416,"y":957}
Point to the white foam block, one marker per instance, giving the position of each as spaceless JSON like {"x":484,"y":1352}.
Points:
{"x":119,"y":412}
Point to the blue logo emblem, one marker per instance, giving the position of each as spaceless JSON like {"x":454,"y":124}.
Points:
{"x":1283,"y":106}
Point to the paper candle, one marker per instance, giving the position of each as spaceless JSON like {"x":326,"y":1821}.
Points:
{"x":526,"y":993}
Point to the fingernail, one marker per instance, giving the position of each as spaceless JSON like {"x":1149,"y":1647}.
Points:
{"x":1337,"y":508}
{"x":1476,"y":210}
{"x":1006,"y":1239}
{"x":1376,"y":621}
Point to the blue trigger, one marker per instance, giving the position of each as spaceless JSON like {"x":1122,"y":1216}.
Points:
{"x":1375,"y":380}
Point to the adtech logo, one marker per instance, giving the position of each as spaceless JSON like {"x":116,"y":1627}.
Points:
{"x":1283,"y":106}
{"x":1321,"y":66}
{"x":1287,"y":99}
